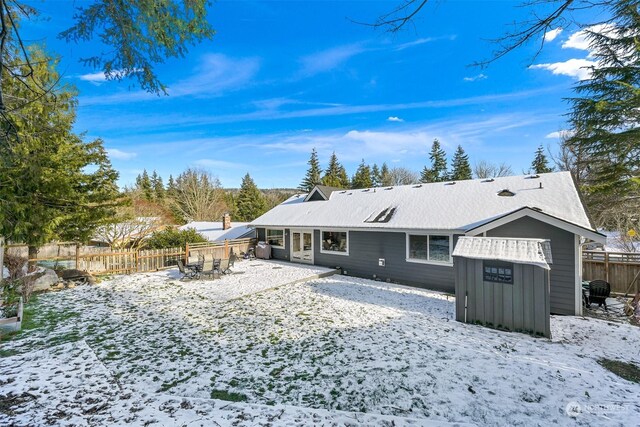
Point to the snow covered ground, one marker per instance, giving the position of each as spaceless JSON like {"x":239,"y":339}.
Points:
{"x":333,"y":351}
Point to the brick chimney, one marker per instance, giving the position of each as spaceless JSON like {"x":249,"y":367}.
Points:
{"x":226,"y":221}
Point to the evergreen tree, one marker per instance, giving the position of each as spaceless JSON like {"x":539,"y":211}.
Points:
{"x":345,"y":182}
{"x":438,"y":170}
{"x":312,"y":178}
{"x":540,"y":163}
{"x":157,"y":186}
{"x":171,"y":186}
{"x":605,"y":120}
{"x":146,"y":187}
{"x":375,"y":176}
{"x":460,"y":165}
{"x":333,"y":174}
{"x":46,"y":187}
{"x":362,"y":177}
{"x":386,"y":179}
{"x":250,"y":202}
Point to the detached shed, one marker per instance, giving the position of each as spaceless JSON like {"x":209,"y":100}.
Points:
{"x":503,"y":283}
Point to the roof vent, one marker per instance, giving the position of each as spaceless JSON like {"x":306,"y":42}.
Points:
{"x":389,"y":188}
{"x":417,"y":186}
{"x":534,"y":176}
{"x":450,"y":183}
{"x":343,"y":191}
{"x":540,"y":186}
{"x":488,"y":180}
{"x":506,"y":193}
{"x":364,"y":191}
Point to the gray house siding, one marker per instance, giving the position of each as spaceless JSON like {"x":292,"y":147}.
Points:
{"x":276,"y":253}
{"x":366,"y":247}
{"x":563,"y":251}
{"x":520,"y":306}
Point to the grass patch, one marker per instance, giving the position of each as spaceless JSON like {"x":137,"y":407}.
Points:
{"x":167,"y":386}
{"x":628,"y":371}
{"x":228,"y":396}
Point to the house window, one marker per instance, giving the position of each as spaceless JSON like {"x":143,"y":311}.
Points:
{"x":429,"y":248}
{"x":275,"y":238}
{"x":497,"y":272}
{"x":335,"y":242}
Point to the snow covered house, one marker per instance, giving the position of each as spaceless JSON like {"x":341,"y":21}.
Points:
{"x":407,"y":234}
{"x":223,"y":230}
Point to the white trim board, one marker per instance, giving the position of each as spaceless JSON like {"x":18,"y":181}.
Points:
{"x":542,"y":217}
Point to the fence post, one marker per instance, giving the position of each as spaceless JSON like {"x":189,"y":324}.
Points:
{"x":226,"y":248}
{"x":77,"y":256}
{"x":606,"y":266}
{"x":186,"y":252}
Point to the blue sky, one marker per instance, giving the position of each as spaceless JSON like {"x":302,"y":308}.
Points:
{"x":280,"y":78}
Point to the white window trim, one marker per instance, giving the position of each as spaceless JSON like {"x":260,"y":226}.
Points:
{"x":329,"y":230}
{"x":266,"y":236}
{"x":428,"y":261}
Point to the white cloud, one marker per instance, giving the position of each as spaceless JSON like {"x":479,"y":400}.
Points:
{"x":577,"y":68}
{"x":475,"y":78}
{"x":580,"y":39}
{"x":552,"y":34}
{"x":214,"y":75}
{"x":98,"y":77}
{"x":329,"y":59}
{"x":394,"y":119}
{"x":114,"y":153}
{"x":559,"y":134}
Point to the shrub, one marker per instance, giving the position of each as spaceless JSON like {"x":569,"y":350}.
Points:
{"x":174,"y":238}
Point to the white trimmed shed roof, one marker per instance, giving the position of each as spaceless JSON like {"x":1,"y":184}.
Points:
{"x":520,"y":251}
{"x":435,"y":206}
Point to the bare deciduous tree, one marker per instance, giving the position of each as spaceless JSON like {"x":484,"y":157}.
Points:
{"x":198,"y":196}
{"x":403,"y":176}
{"x":484,"y":169}
{"x":133,"y":224}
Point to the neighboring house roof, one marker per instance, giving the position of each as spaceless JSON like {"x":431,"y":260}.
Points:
{"x":213,"y":231}
{"x":519,"y":251}
{"x":458,"y":206}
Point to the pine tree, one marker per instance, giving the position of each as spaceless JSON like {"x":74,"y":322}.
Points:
{"x":332,"y":175}
{"x":312,"y":178}
{"x":171,"y":186}
{"x":345,"y":182}
{"x":386,"y":180}
{"x":460,"y":165}
{"x":362,"y":177}
{"x":540,"y":163}
{"x":157,"y":186}
{"x":375,"y":176}
{"x":146,"y":186}
{"x":438,"y":170}
{"x":250,"y":201}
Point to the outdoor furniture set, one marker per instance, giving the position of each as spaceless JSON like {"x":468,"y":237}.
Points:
{"x":205,"y":265}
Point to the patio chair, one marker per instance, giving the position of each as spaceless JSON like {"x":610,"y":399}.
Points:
{"x":232,"y":258}
{"x":208,"y":267}
{"x":599,"y":291}
{"x":187,"y":273}
{"x":224,"y":266}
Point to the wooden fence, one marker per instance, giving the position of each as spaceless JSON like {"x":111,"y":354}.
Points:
{"x":220,"y":249}
{"x":617,"y":268}
{"x":128,"y":261}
